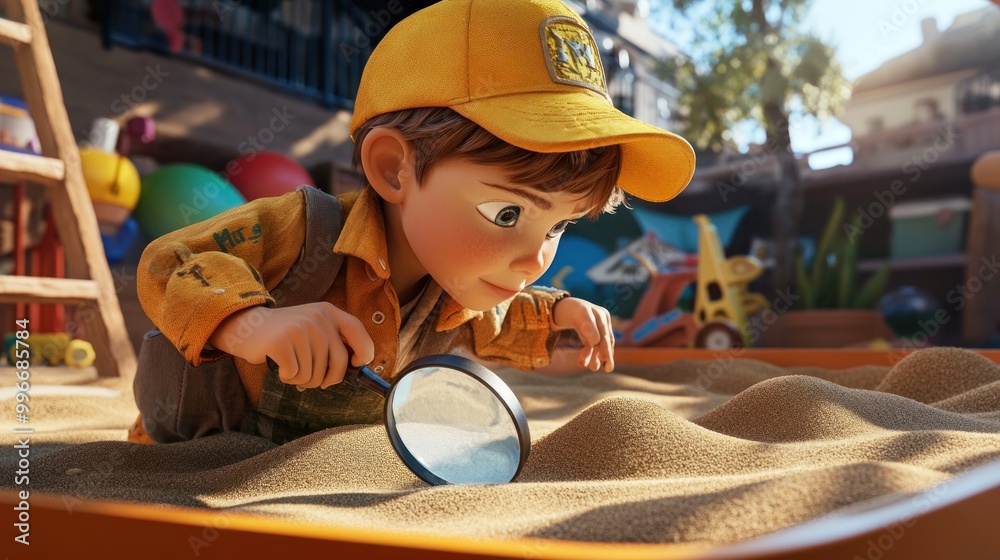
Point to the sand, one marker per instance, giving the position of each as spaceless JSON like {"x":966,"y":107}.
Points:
{"x":689,"y":451}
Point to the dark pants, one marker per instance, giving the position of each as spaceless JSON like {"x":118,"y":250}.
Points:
{"x":180,"y":402}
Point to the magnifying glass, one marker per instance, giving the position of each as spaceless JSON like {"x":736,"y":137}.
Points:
{"x":451,"y":420}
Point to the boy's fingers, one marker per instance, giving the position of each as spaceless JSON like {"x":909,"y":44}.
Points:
{"x":609,"y":361}
{"x":355,"y":335}
{"x":320,"y":365}
{"x":589,"y":332}
{"x":338,"y":359}
{"x":336,"y":354}
{"x":320,"y":343}
{"x":294,"y":373}
{"x":607,"y":343}
{"x":303,"y":357}
{"x":285,"y":365}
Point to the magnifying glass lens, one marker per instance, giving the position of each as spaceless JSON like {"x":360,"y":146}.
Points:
{"x":455,"y":427}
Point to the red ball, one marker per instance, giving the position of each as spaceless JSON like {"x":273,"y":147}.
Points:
{"x":261,"y":174}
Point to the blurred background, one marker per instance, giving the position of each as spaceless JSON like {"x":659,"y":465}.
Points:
{"x":847,"y":192}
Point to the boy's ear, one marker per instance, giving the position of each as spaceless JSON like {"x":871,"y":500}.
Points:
{"x":387,"y":159}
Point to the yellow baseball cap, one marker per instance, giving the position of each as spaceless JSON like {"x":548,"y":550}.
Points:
{"x":527,"y":71}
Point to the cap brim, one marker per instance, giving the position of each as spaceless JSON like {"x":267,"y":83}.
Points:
{"x":656,"y":164}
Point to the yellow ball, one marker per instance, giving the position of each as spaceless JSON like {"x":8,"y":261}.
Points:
{"x":111,"y":178}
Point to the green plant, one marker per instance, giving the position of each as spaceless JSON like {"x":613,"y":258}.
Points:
{"x":832,"y":281}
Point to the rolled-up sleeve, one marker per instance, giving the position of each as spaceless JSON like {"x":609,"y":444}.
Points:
{"x":191,"y":279}
{"x":519,"y":332}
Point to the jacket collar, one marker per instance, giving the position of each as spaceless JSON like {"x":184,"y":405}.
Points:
{"x":363,"y":234}
{"x":363,"y":237}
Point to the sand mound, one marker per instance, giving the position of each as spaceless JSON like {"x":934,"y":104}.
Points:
{"x":621,"y":438}
{"x":936,"y":374}
{"x":801,"y":408}
{"x":691,"y":451}
{"x":981,"y":399}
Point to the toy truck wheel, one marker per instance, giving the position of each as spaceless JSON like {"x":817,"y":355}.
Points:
{"x":79,"y":354}
{"x":718,"y":335}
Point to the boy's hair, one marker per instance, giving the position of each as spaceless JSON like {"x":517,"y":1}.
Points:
{"x":529,"y":72}
{"x":439,"y":134}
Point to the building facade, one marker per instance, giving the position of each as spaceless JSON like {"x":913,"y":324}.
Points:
{"x":630,"y":48}
{"x":951,"y":79}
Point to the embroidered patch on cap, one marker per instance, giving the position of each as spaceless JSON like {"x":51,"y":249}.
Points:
{"x":571,"y":54}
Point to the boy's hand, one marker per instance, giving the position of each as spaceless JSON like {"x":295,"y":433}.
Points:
{"x":311,"y":343}
{"x":593,"y":324}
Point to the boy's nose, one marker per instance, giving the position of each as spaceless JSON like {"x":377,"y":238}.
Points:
{"x":532,"y":261}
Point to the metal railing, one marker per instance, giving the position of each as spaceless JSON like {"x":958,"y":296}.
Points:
{"x":980,"y":92}
{"x":312,"y":48}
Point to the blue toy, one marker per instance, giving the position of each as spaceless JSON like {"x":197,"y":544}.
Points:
{"x":117,"y":246}
{"x":908,"y":309}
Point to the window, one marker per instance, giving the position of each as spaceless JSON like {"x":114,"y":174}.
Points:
{"x":980,"y":92}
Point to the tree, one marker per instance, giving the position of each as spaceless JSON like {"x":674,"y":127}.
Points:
{"x":752,"y":61}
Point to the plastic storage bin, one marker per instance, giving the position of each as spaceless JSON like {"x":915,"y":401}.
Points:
{"x":928,"y":227}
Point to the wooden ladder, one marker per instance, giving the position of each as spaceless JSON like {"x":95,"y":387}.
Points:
{"x":89,"y":279}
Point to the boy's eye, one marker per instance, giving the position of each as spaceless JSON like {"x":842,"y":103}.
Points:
{"x":557,"y":229}
{"x":502,"y":214}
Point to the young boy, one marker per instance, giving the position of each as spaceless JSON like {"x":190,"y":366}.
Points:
{"x":483,"y":128}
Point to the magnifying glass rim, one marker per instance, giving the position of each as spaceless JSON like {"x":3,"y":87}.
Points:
{"x":482,"y":374}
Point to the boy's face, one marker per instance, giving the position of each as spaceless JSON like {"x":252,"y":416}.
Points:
{"x":481,"y":237}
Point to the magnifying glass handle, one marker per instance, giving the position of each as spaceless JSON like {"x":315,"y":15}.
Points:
{"x":371,"y":381}
{"x":362,"y":376}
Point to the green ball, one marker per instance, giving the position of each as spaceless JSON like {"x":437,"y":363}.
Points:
{"x":181,"y":194}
